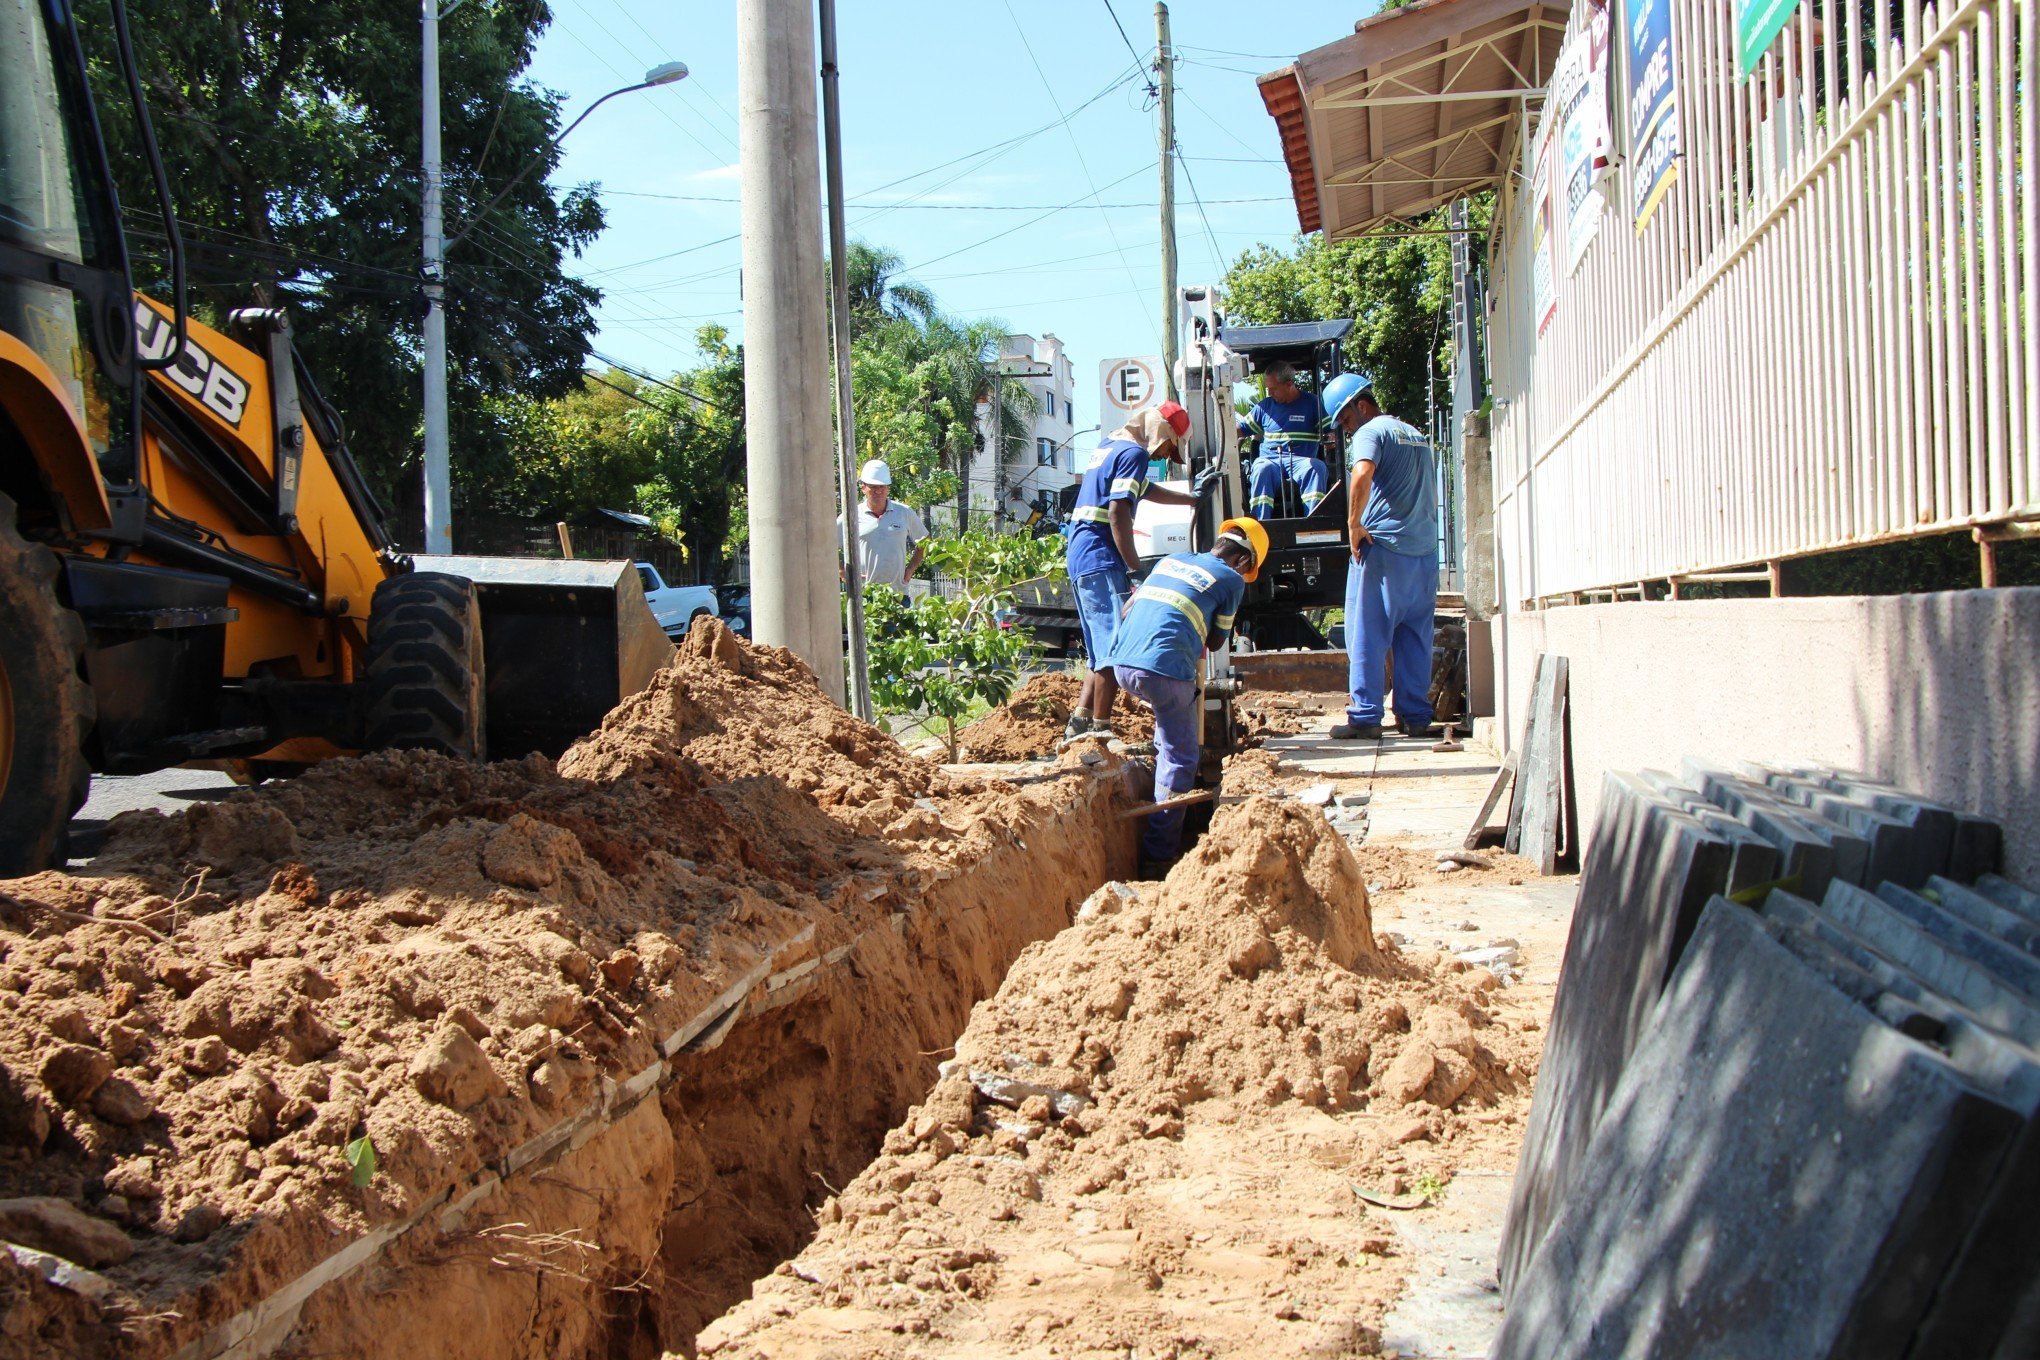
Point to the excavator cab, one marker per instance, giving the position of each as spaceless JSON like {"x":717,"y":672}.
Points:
{"x":192,"y":567}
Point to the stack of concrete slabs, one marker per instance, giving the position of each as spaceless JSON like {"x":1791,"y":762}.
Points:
{"x":1650,"y":868}
{"x":1784,"y":1169}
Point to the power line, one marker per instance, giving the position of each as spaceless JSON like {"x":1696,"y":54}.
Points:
{"x":1217,"y":258}
{"x":932,"y":207}
{"x":1074,"y":203}
{"x":1075,"y":145}
{"x":1153,"y":93}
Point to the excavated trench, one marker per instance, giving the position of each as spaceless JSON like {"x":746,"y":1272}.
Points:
{"x":656,"y":1220}
{"x":407,"y":1058}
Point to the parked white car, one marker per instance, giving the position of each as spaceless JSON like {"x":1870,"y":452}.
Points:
{"x":675,"y":607}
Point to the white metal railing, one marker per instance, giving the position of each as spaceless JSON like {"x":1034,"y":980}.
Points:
{"x":1826,"y":334}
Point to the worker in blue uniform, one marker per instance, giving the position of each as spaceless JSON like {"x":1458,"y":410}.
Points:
{"x":1292,"y":426}
{"x":1392,"y":586}
{"x":1184,"y":608}
{"x":1101,"y":556}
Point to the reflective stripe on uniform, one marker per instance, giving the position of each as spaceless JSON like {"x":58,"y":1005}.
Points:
{"x":1176,"y":600}
{"x":1132,"y":486}
{"x":1261,"y":503}
{"x":1091,"y":514}
{"x":1224,"y":623}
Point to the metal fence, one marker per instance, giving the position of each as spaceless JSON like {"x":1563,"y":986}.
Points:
{"x":1825,"y":334}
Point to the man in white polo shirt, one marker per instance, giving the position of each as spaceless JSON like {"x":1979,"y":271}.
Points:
{"x":892,"y":533}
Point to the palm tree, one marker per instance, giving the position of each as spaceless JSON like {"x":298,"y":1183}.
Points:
{"x":878,"y":294}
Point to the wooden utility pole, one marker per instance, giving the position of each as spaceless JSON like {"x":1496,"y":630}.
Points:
{"x":1165,"y":71}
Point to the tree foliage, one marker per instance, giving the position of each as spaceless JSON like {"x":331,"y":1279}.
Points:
{"x":933,"y":658}
{"x":291,"y":133}
{"x":1396,"y":288}
{"x":987,"y":564}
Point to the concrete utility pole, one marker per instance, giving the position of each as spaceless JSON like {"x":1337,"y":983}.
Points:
{"x":438,"y":489}
{"x":846,"y":413}
{"x":1165,"y":71}
{"x":794,"y":597}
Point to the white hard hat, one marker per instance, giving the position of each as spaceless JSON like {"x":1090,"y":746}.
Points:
{"x":875,"y":473}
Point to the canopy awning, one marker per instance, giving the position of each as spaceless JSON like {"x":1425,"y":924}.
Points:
{"x":1417,"y":108}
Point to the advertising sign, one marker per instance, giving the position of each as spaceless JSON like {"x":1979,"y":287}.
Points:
{"x":1757,"y":23}
{"x":1581,"y":83}
{"x":1543,"y":236}
{"x":1653,"y":108}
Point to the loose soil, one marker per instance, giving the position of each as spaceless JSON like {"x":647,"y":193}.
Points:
{"x":1170,"y":1131}
{"x":1030,"y":724}
{"x":446,"y":960}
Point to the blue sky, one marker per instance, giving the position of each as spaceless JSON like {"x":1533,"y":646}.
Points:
{"x":929,"y":85}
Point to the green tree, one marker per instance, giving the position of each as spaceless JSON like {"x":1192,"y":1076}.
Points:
{"x":1396,"y":288}
{"x":878,"y":294}
{"x":291,"y":133}
{"x":934,"y":659}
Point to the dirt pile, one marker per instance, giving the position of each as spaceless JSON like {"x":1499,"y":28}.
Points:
{"x":1152,"y":1140}
{"x":1030,"y":724}
{"x":253,"y":1032}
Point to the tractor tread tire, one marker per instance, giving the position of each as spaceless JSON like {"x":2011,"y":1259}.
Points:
{"x":424,"y":666}
{"x":42,"y":653}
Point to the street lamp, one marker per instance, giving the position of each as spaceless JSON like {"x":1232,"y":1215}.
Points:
{"x":438,"y":488}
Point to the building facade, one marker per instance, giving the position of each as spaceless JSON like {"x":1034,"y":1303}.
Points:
{"x":1044,"y":460}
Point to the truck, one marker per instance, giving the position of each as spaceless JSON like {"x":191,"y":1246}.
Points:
{"x":192,"y":567}
{"x":676,"y":609}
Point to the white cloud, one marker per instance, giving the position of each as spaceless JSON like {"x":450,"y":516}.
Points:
{"x":722,"y":173}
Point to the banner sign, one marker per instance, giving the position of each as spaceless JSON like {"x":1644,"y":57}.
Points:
{"x":1543,"y":235}
{"x":1653,"y":109}
{"x":1757,"y":23}
{"x":1581,"y":83}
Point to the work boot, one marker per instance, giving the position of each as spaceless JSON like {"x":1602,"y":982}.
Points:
{"x":1079,"y":725}
{"x":1352,"y":731}
{"x":1154,"y":870}
{"x":1416,"y":729}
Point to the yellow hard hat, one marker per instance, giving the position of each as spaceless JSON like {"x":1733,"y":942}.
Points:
{"x":1255,"y":537}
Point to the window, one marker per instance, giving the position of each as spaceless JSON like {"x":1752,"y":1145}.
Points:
{"x":1044,"y":452}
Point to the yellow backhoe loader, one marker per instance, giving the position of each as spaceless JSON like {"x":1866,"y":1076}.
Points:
{"x":192,"y":568}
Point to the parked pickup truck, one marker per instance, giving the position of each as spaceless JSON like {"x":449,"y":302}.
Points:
{"x":675,"y":607}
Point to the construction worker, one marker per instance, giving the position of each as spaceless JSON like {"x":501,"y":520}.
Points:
{"x":1392,"y":587}
{"x":1292,"y":427}
{"x":1101,"y":556}
{"x":891,"y":532}
{"x":1183,"y":609}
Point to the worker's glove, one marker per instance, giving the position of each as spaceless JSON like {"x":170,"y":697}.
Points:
{"x":1201,"y":485}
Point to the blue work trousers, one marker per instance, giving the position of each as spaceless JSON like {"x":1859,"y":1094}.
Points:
{"x":1101,"y":599}
{"x":1265,"y":489}
{"x":1175,"y":708}
{"x":1391,"y":607}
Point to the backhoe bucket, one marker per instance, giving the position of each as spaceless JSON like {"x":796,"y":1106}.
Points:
{"x":563,"y":642}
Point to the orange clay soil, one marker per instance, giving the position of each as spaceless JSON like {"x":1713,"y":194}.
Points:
{"x":447,"y":959}
{"x":1149,"y":1141}
{"x":1030,"y":724}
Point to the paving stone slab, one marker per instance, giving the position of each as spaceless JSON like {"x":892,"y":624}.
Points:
{"x":1650,"y":869}
{"x":1752,"y":859}
{"x":1803,"y":855}
{"x":2014,"y":965}
{"x":1855,"y":920}
{"x":1978,"y":910}
{"x":1780,"y":1176}
{"x":2010,"y":896}
{"x":1895,"y":854}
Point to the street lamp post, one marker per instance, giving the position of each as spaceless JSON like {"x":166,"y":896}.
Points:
{"x":438,"y":480}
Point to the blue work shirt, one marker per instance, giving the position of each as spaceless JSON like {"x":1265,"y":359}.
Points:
{"x":1118,"y":472}
{"x":1187,"y":602}
{"x":1291,"y":428}
{"x":1402,"y":509}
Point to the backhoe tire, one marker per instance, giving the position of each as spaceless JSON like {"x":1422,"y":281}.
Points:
{"x":425,"y":680}
{"x":46,"y":710}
